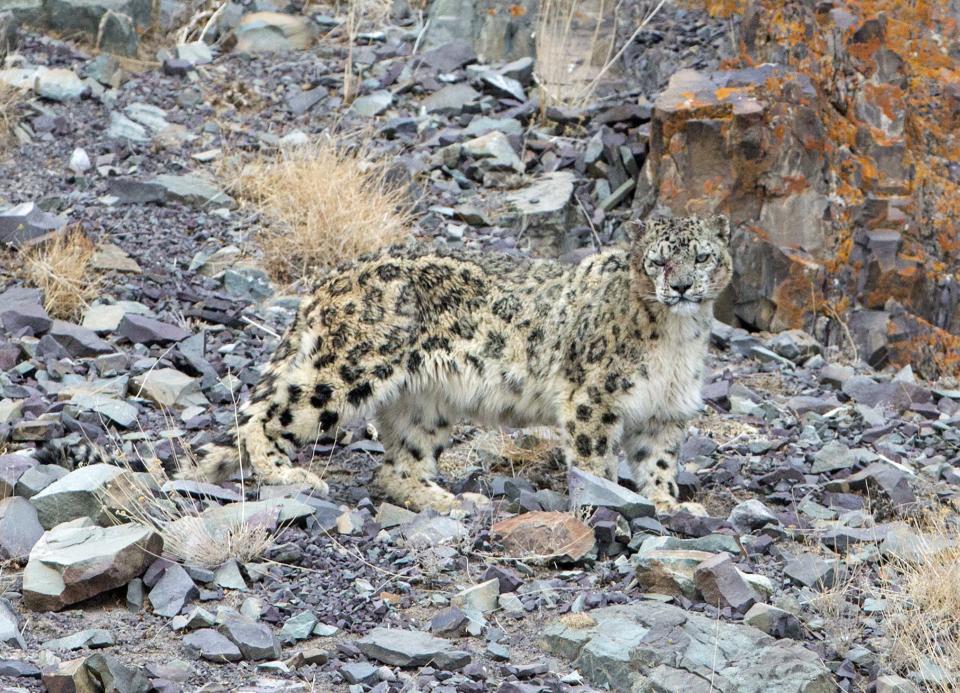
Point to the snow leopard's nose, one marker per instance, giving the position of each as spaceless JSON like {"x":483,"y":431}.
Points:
{"x":680,"y":285}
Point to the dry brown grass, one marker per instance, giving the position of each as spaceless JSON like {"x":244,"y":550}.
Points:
{"x":923,"y":603}
{"x":520,"y":453}
{"x":576,"y":44}
{"x":10,"y":100}
{"x":187,"y":537}
{"x":323,"y":204}
{"x":839,"y":606}
{"x":60,"y":267}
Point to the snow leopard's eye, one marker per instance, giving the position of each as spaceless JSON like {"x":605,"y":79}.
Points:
{"x":702,"y":257}
{"x":657,"y":261}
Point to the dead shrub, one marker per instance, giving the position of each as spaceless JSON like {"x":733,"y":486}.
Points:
{"x":188,"y":537}
{"x":10,"y":100}
{"x":922,"y":603}
{"x":323,"y":204}
{"x":60,"y":267}
{"x":576,"y":44}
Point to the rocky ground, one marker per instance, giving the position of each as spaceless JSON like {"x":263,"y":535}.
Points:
{"x":805,"y":472}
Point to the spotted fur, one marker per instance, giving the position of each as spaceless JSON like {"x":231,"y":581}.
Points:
{"x":611,"y":352}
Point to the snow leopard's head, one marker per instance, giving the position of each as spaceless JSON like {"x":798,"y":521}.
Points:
{"x":686,"y":259}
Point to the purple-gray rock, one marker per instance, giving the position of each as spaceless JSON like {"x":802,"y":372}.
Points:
{"x":27,"y":222}
{"x":25,"y":315}
{"x":78,"y":341}
{"x":140,"y":329}
{"x":722,"y":586}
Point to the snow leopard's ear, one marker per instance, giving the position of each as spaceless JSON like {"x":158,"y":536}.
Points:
{"x":633,"y":230}
{"x":720,"y":225}
{"x":640,"y":233}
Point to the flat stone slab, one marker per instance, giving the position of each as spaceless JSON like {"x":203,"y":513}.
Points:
{"x":658,"y":647}
{"x":78,"y":560}
{"x":411,"y":648}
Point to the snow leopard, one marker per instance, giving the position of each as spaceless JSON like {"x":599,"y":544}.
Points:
{"x":611,"y":352}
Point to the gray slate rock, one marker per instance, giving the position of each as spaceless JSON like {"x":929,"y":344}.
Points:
{"x":20,"y":529}
{"x":84,"y":492}
{"x":212,"y":646}
{"x":135,"y":192}
{"x":750,"y":515}
{"x":658,"y":647}
{"x":721,"y":585}
{"x":372,"y":104}
{"x":774,"y":621}
{"x":173,"y":591}
{"x":36,"y":478}
{"x":299,"y":627}
{"x":10,"y":627}
{"x":114,"y":676}
{"x":91,"y":638}
{"x":360,"y":673}
{"x":811,"y":571}
{"x":411,"y":648}
{"x":117,"y":35}
{"x":255,"y":640}
{"x":12,"y":469}
{"x":78,"y":560}
{"x":451,"y":99}
{"x":593,"y":491}
{"x":27,"y":222}
{"x":193,"y":190}
{"x":85,"y":15}
{"x":19,"y":669}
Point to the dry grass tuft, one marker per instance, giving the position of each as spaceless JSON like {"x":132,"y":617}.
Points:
{"x":839,"y":606}
{"x":575,"y":42}
{"x":178,"y":519}
{"x":10,"y":100}
{"x":323,"y":204}
{"x":60,"y":267}
{"x":922,"y":606}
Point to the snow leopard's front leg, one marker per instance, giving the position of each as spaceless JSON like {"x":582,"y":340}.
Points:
{"x":591,"y":430}
{"x":652,"y":449}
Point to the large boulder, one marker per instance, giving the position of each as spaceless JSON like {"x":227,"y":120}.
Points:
{"x":91,"y":491}
{"x":78,"y":560}
{"x":658,"y":647}
{"x":833,"y":151}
